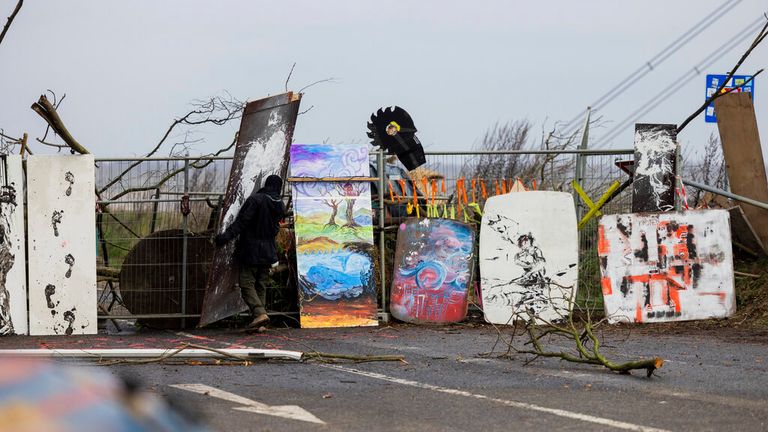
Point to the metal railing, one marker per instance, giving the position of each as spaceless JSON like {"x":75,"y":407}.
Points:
{"x":158,"y":214}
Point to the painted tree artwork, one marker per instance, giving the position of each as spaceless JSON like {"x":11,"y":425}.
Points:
{"x":666,"y":267}
{"x":334,"y":236}
{"x":433,"y":262}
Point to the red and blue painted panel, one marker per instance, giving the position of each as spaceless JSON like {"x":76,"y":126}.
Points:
{"x":433,"y":270}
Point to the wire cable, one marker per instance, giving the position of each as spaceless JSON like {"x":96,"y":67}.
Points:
{"x":675,"y":86}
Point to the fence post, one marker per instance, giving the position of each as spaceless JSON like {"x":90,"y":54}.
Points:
{"x":154,"y":211}
{"x":382,"y":243}
{"x":581,"y":165}
{"x":185,"y":230}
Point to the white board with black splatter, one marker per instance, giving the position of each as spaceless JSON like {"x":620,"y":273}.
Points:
{"x":13,"y":276}
{"x":672,"y":266}
{"x":529,"y":252}
{"x":62,"y":245}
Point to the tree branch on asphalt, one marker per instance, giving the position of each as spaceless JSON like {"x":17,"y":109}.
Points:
{"x":535,"y":336}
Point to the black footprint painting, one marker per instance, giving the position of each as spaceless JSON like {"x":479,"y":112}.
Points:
{"x":70,"y":260}
{"x":50,"y":290}
{"x":69,"y":316}
{"x":69,"y":178}
{"x":56,"y":220}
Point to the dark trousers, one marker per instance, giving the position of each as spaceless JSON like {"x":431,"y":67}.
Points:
{"x":253,"y":288}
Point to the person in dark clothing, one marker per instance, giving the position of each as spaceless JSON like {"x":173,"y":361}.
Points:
{"x":257,"y":224}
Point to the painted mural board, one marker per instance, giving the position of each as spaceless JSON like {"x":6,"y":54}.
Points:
{"x":653,"y":188}
{"x":13,"y":274}
{"x":262,"y":149}
{"x":432,"y":271}
{"x":62,"y":250}
{"x":666,"y":266}
{"x":529,"y":253}
{"x":334,"y":237}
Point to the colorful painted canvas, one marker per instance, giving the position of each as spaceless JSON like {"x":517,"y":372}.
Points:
{"x":433,"y":263}
{"x":529,"y":253}
{"x":13,"y":275}
{"x":334,"y":237}
{"x":62,"y":254}
{"x":667,"y":266}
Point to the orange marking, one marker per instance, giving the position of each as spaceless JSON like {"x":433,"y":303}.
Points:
{"x":603,"y":246}
{"x":482,"y":187}
{"x":606,"y":284}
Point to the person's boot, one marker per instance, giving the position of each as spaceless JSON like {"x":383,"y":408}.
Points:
{"x":258,"y":321}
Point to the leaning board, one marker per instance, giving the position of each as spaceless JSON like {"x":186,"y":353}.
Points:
{"x":529,"y":252}
{"x":266,"y":131}
{"x":62,"y":245}
{"x":667,"y":266}
{"x":432,"y":269}
{"x":13,"y":275}
{"x":334,"y":237}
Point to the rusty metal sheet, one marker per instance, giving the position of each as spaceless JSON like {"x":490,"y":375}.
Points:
{"x":262,"y":149}
{"x":653,"y":189}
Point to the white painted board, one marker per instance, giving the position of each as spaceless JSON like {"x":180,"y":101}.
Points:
{"x":13,"y":272}
{"x":659,"y":267}
{"x":529,"y":251}
{"x":62,"y":245}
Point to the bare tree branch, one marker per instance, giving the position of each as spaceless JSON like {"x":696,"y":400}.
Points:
{"x":47,"y":111}
{"x":289,"y":76}
{"x":10,"y":19}
{"x":330,"y":80}
{"x":719,"y":92}
{"x":215,"y":110}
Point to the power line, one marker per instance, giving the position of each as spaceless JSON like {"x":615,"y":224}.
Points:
{"x":654,"y":62}
{"x":675,"y":86}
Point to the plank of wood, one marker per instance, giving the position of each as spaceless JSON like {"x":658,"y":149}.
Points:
{"x":743,"y":156}
{"x":743,"y":232}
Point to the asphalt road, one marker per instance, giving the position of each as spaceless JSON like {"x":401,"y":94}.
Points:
{"x":709,"y":382}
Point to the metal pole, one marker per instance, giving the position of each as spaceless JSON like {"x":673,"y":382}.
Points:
{"x":382,"y":244}
{"x":726,"y":194}
{"x":185,"y":229}
{"x":581,"y":164}
{"x":678,"y":176}
{"x":153,"y":225}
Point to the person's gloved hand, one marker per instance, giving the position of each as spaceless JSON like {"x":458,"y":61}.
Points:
{"x":220,"y":240}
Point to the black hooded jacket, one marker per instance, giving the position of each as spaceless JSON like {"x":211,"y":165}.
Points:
{"x":257,"y":224}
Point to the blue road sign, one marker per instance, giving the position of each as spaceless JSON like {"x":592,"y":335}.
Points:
{"x":715,"y":81}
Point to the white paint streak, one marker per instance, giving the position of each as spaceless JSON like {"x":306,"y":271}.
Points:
{"x":293,"y":412}
{"x":514,"y":404}
{"x":263,"y":158}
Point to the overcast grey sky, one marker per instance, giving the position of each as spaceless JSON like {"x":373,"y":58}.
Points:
{"x":128,"y":68}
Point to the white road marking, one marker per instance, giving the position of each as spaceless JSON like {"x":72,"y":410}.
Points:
{"x":522,"y":405}
{"x":293,"y":412}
